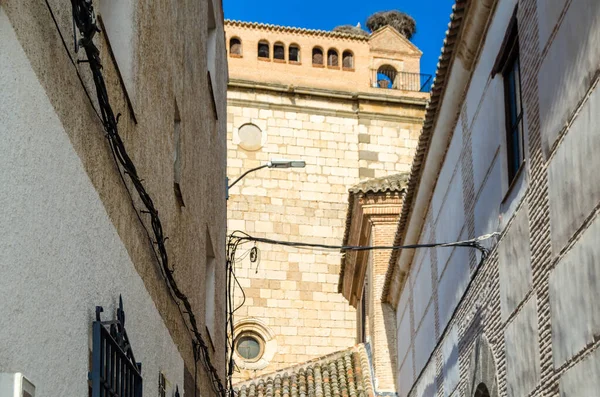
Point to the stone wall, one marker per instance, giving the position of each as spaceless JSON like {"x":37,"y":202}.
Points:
{"x":294,"y":292}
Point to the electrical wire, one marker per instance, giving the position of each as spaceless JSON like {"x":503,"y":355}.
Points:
{"x":238,"y":237}
{"x":472,"y":243}
{"x":84,"y":17}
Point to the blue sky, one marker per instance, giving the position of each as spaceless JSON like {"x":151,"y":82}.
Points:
{"x":432,"y":17}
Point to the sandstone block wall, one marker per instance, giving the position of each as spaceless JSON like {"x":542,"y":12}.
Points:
{"x":294,"y":292}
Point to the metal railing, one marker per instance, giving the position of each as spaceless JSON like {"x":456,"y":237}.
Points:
{"x":405,"y":81}
{"x":115,"y":373}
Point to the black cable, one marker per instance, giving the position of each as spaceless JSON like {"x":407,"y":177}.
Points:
{"x":473,"y":243}
{"x":83,"y":14}
{"x":72,"y":60}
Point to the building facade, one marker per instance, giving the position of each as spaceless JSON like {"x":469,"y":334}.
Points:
{"x":374,"y":208}
{"x":508,"y":147}
{"x":76,"y":234}
{"x":351,"y":107}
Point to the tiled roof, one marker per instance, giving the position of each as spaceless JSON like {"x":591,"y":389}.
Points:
{"x":390,"y":183}
{"x":437,"y":91}
{"x":346,"y":373}
{"x":291,"y":29}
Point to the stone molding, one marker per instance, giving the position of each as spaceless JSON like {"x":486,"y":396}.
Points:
{"x":482,"y":368}
{"x":261,"y":329}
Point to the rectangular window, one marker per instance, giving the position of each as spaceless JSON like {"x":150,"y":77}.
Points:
{"x":508,"y":64}
{"x":177,"y":156}
{"x":210,"y":290}
{"x":117,"y":22}
{"x":514,"y":115}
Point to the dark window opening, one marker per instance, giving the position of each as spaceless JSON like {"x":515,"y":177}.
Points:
{"x":317,"y":56}
{"x":508,"y":63}
{"x":279,"y":51}
{"x":177,"y":156}
{"x":264,"y":50}
{"x":249,"y":346}
{"x":386,"y":76}
{"x":332,"y":58}
{"x":363,"y":318}
{"x":482,"y":391}
{"x":235,"y":46}
{"x":514,"y":117}
{"x":348,"y":60}
{"x":162,"y":385}
{"x":294,"y":53}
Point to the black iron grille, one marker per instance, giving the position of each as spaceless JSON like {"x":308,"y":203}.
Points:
{"x":115,"y":373}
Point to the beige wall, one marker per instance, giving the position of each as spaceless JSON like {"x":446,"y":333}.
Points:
{"x":167,"y":69}
{"x":386,"y":47}
{"x":294,"y":292}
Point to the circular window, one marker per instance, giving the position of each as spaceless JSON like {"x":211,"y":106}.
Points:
{"x":249,"y":346}
{"x":250,"y":137}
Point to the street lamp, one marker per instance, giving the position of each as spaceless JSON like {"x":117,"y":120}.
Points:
{"x":270,"y":164}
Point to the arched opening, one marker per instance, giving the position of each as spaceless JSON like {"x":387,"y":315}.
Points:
{"x":264,"y":50}
{"x":317,"y":56}
{"x":279,"y":51}
{"x":386,"y":76}
{"x":294,"y":53}
{"x":348,"y":60}
{"x":482,"y":391}
{"x":332,"y":58}
{"x":235,"y":46}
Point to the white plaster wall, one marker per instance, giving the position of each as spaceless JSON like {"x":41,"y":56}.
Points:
{"x":488,"y":131}
{"x":426,"y":385}
{"x":425,"y":340}
{"x":119,"y":21}
{"x":422,"y":290}
{"x":487,"y":206}
{"x":570,"y":64}
{"x":450,"y":369}
{"x":406,"y":376}
{"x":404,"y":337}
{"x":450,"y":167}
{"x":514,"y":264}
{"x":548,"y":13}
{"x":451,"y":219}
{"x":453,"y":283}
{"x":60,"y":255}
{"x":573,"y":174}
{"x":582,"y":379}
{"x":493,"y":42}
{"x":522,"y":352}
{"x":575,"y":283}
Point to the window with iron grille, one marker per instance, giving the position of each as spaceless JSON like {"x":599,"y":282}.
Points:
{"x":115,"y":373}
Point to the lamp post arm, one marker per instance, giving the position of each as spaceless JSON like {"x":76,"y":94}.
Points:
{"x":246,"y":173}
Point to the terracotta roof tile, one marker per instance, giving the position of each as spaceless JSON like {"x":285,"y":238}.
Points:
{"x":390,"y":183}
{"x":346,"y":373}
{"x":291,"y":29}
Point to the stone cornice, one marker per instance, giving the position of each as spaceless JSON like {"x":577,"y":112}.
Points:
{"x":324,"y":112}
{"x":321,"y":92}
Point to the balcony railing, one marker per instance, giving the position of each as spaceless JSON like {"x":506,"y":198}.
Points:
{"x":405,"y":81}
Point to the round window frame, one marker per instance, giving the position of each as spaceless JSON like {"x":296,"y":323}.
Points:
{"x":237,"y":139}
{"x":255,"y":336}
{"x":260,"y":328}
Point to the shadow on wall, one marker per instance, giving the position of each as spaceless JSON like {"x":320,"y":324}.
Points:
{"x":389,"y":322}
